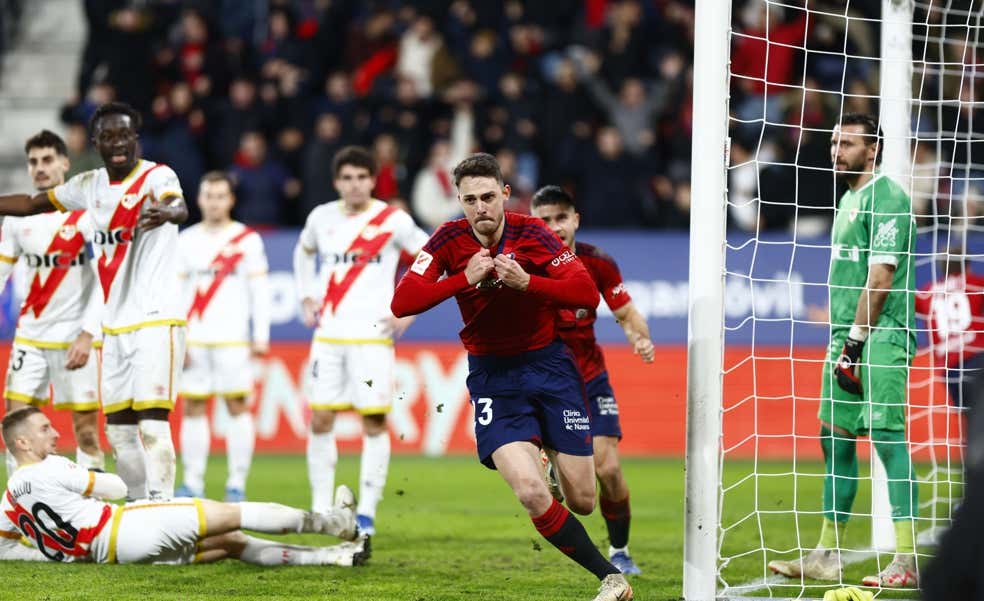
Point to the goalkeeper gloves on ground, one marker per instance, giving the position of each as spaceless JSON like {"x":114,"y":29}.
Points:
{"x":848,"y":593}
{"x":847,"y":368}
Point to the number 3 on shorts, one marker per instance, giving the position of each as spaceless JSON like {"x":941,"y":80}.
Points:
{"x":483,"y":415}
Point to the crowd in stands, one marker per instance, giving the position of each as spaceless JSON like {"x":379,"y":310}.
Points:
{"x":590,"y":94}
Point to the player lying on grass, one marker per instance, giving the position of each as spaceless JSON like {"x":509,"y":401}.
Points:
{"x":60,"y":508}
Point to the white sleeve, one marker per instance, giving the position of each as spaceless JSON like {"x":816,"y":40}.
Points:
{"x":106,"y":486}
{"x":163,"y":184}
{"x":306,"y":261}
{"x":259,"y":289}
{"x":410,"y":237}
{"x":9,"y":249}
{"x":71,"y":196}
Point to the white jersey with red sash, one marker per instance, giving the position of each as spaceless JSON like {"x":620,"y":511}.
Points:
{"x":48,"y":503}
{"x":359,"y":254}
{"x":224,"y":272}
{"x":62,"y":296}
{"x":138,"y":269}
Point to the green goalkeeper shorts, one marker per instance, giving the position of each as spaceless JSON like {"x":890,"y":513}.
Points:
{"x":884,"y":374}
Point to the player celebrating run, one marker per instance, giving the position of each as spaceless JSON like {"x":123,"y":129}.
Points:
{"x":872,"y":327}
{"x":58,"y":506}
{"x":556,"y":208}
{"x":509,"y":274}
{"x":224,"y":267}
{"x":359,"y":240}
{"x":135,"y":206}
{"x":61,"y":313}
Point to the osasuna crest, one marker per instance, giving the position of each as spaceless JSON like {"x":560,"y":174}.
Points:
{"x":130,"y":200}
{"x":68,"y":231}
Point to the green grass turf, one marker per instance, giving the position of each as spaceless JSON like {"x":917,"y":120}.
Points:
{"x":449,"y":529}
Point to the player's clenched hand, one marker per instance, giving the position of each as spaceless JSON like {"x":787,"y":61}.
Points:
{"x":155,"y":215}
{"x":309,"y":312}
{"x":78,"y":353}
{"x":644,"y":348}
{"x":846,"y":369}
{"x":260,"y":349}
{"x":511,"y":273}
{"x":479,"y":266}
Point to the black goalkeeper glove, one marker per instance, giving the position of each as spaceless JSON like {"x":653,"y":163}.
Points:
{"x":847,"y":366}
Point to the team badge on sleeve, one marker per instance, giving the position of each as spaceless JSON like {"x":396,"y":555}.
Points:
{"x":422,"y":262}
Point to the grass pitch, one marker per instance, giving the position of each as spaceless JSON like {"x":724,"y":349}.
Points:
{"x":450,"y":530}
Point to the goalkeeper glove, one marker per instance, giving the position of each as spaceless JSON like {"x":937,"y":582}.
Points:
{"x":848,"y":593}
{"x":847,"y":366}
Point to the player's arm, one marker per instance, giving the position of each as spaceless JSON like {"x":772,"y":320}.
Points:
{"x":258,"y":285}
{"x":10,"y":251}
{"x":22,"y":205}
{"x":169,"y":204}
{"x":636,"y":330}
{"x":78,"y":353}
{"x":421,"y":288}
{"x":305,"y":278}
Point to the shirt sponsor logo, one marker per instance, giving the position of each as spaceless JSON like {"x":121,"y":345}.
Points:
{"x":351,"y":258}
{"x":564,"y":258}
{"x":887,"y":232}
{"x":117,"y":236}
{"x":53,"y":260}
{"x":422,"y":262}
{"x":618,"y":289}
{"x":843,"y":252}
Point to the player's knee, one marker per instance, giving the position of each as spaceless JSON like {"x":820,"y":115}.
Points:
{"x":195,"y":407}
{"x":322,"y":421}
{"x":374,"y":425}
{"x":236,"y":405}
{"x":582,"y":500}
{"x":609,"y":472}
{"x":126,"y":417}
{"x":533,"y":495}
{"x":87,"y":437}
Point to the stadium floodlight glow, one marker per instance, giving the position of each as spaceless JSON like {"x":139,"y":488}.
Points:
{"x":754,"y":469}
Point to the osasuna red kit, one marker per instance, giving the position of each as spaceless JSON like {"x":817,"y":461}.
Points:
{"x":523,"y":381}
{"x":576,"y":326}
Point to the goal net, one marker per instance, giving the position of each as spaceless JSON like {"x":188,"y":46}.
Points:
{"x":794,"y":68}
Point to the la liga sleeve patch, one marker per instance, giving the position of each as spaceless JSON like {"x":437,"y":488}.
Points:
{"x":422,"y":262}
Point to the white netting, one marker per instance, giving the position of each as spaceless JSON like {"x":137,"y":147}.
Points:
{"x":796,"y":68}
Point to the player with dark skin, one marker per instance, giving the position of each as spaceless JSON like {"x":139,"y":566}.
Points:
{"x":115,"y":138}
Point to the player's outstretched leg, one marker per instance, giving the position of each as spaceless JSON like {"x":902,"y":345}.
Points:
{"x":520,"y":466}
{"x":88,"y":454}
{"x":322,"y":458}
{"x":123,"y":434}
{"x":195,"y":437}
{"x":262,"y":552}
{"x":373,"y":468}
{"x":240,"y":441}
{"x":613,"y":499}
{"x":155,"y":431}
{"x":274,"y":518}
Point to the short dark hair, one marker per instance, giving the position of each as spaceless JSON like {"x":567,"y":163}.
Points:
{"x":46,"y":139}
{"x":116,"y":108}
{"x":357,"y":156}
{"x":13,"y":420}
{"x":481,"y":164}
{"x":217,"y":176}
{"x":872,"y":131}
{"x":552,"y":195}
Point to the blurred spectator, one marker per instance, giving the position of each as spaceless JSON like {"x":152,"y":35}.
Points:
{"x":610,"y":183}
{"x":423,"y":58}
{"x":171,"y":134}
{"x":390,"y":173}
{"x":317,"y":174}
{"x":81,"y":155}
{"x":262,"y":183}
{"x":435,"y":199}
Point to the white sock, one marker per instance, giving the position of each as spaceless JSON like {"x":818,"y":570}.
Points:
{"x":274,"y":518}
{"x":264,"y":552}
{"x":156,"y":434}
{"x":372,"y":472}
{"x":613,"y":550}
{"x":11,"y":464}
{"x":195,"y":438}
{"x":322,"y":457}
{"x":240,"y":438}
{"x":88,"y":461}
{"x":131,"y":458}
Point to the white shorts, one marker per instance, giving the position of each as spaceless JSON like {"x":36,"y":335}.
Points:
{"x":217,"y":370}
{"x":142,"y":368}
{"x":32,"y":369}
{"x":156,"y":532}
{"x":347,"y":376}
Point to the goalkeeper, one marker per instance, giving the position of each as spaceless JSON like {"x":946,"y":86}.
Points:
{"x":872,"y":343}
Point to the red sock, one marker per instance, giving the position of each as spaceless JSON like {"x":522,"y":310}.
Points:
{"x":565,"y":532}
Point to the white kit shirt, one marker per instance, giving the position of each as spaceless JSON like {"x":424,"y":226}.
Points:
{"x":138,"y":269}
{"x":63,"y":295}
{"x":359,"y":255}
{"x":225,"y":284}
{"x":44,"y":499}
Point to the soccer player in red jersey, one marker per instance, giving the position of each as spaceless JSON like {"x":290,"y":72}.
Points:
{"x":509,"y":274}
{"x":953,"y":307}
{"x":556,"y":208}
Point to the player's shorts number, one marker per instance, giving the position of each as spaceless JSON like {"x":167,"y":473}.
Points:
{"x":18,"y":361}
{"x":485,"y":413}
{"x":62,"y":536}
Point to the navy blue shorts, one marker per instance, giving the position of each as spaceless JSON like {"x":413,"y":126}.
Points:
{"x":604,"y":409}
{"x":536,"y":396}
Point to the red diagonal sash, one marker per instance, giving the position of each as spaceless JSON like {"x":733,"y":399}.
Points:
{"x":125,"y":219}
{"x":223,"y":264}
{"x":365,"y":248}
{"x":67,"y":248}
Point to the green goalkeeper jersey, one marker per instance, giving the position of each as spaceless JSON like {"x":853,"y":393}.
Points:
{"x":874,"y":225}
